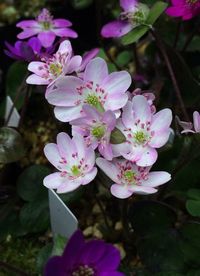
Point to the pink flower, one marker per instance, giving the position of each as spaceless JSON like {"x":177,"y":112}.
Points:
{"x":74,"y":160}
{"x":49,"y":69}
{"x":98,"y":88}
{"x":187,"y":126}
{"x":46,"y":28}
{"x":96,"y":127}
{"x":133,"y":14}
{"x":143,"y":130}
{"x":130,"y":179}
{"x":186,"y":9}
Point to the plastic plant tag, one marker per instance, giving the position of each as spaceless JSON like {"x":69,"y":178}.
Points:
{"x":63,"y":221}
{"x":15,"y":117}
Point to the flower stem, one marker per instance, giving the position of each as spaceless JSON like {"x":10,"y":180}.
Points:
{"x":163,"y":51}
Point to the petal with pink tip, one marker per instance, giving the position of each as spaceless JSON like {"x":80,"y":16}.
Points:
{"x":156,"y":179}
{"x":46,"y":38}
{"x":116,"y":101}
{"x":128,"y":5}
{"x":28,"y":33}
{"x":65,"y":32}
{"x":148,"y":157}
{"x":141,"y":109}
{"x":143,"y":190}
{"x":27,"y":24}
{"x":160,"y":138}
{"x":127,"y":115}
{"x":120,"y":191}
{"x":73,"y":64}
{"x":61,"y":23}
{"x":37,"y":67}
{"x":67,"y":114}
{"x":52,"y":154}
{"x":108,"y":168}
{"x":117,"y":82}
{"x":53,"y":181}
{"x":34,"y":79}
{"x":96,"y":70}
{"x":196,"y":121}
{"x":65,"y":47}
{"x":69,"y":186}
{"x":110,"y":119}
{"x":66,"y":146}
{"x":161,"y":120}
{"x":87,"y":178}
{"x":116,"y":28}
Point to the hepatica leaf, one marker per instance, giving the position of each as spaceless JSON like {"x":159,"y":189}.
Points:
{"x":155,"y":12}
{"x":134,"y":35}
{"x":11,"y":145}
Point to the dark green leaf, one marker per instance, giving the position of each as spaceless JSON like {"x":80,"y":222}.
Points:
{"x":193,"y":207}
{"x":157,"y":9}
{"x":30,"y":183}
{"x":11,"y":145}
{"x":117,"y":137}
{"x":134,"y":35}
{"x":123,"y":58}
{"x":72,"y":196}
{"x":16,"y":81}
{"x":34,"y":216}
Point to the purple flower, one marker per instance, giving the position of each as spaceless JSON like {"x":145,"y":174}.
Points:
{"x":74,"y":160}
{"x":98,"y":88}
{"x":96,"y":127}
{"x":130,"y":179}
{"x":50,"y":68}
{"x":144,"y":131}
{"x":24,"y":50}
{"x":133,"y":14}
{"x":94,"y":258}
{"x":46,"y":28}
{"x":186,"y":9}
{"x":85,"y":60}
{"x":187,"y":126}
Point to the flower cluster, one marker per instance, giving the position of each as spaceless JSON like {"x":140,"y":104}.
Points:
{"x":122,"y":128}
{"x":100,"y":110}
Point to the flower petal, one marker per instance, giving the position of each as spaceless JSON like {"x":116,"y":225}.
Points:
{"x":35,"y":79}
{"x":87,"y":57}
{"x":52,"y":154}
{"x":88,"y":177}
{"x":66,"y":114}
{"x":65,"y":32}
{"x":37,"y":67}
{"x":61,"y":23}
{"x":117,"y":82}
{"x":46,"y":38}
{"x":148,"y":157}
{"x":116,"y":28}
{"x":110,"y":260}
{"x":55,"y":266}
{"x":73,"y":64}
{"x":108,"y":168}
{"x":156,"y":178}
{"x":143,"y":190}
{"x":96,"y":70}
{"x":161,"y":120}
{"x":28,"y":33}
{"x":53,"y":181}
{"x":128,"y":5}
{"x":141,"y":108}
{"x":66,"y":146}
{"x":27,"y":24}
{"x":69,"y":186}
{"x":120,"y":191}
{"x":160,"y":138}
{"x":196,"y":121}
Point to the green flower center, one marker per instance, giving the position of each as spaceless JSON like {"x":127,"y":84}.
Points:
{"x":98,"y":132}
{"x":140,"y":137}
{"x":94,"y":101}
{"x":75,"y":170}
{"x":46,"y":25}
{"x":55,"y":69}
{"x":129,"y":176}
